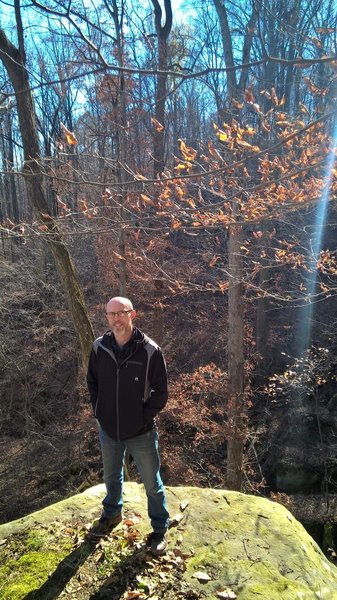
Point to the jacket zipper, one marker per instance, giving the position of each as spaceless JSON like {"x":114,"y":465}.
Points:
{"x":117,"y":410}
{"x":117,"y":384}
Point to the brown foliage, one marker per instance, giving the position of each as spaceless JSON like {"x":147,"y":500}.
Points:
{"x":193,"y":428}
{"x":45,"y":436}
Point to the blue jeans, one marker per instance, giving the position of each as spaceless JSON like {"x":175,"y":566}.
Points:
{"x":144,"y":451}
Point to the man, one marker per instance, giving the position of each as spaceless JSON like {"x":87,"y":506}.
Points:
{"x":127,"y":382}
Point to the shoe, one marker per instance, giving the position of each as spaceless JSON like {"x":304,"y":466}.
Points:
{"x":157,"y":542}
{"x":104,"y":525}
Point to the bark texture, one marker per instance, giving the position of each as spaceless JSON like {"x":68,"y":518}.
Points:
{"x":236,"y":410}
{"x":163,"y":32}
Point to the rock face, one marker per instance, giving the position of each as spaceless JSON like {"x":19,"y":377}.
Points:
{"x":299,"y":443}
{"x":222,"y":544}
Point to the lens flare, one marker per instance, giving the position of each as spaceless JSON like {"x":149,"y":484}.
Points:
{"x":306,"y":317}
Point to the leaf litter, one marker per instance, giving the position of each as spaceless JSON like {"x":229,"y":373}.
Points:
{"x":119,"y":567}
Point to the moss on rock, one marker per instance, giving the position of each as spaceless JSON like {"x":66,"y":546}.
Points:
{"x":246,"y":544}
{"x":27,"y":560}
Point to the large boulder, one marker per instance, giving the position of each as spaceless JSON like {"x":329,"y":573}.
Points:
{"x":222,"y":544}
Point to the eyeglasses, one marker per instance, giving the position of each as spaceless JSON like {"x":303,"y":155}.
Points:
{"x":119,"y":313}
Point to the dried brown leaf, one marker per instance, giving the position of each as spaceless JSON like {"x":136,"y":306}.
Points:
{"x":158,"y":126}
{"x":184,"y":504}
{"x":176,"y":519}
{"x":202,"y":576}
{"x":226,"y":594}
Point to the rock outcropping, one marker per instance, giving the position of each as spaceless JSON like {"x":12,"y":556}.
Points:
{"x":222,"y":544}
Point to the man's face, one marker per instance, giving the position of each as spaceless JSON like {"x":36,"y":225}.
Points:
{"x":120,"y":316}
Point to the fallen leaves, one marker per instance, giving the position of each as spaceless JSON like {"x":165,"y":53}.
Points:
{"x":202,"y":576}
{"x":226,"y":594}
{"x":213,"y":261}
{"x":176,"y":519}
{"x":118,"y":567}
{"x":133,"y":595}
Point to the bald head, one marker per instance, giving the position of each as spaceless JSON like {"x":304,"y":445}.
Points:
{"x":124,"y":302}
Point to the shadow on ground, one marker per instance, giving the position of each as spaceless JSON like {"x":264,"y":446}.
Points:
{"x":67,"y":568}
{"x":123,"y":576}
{"x":114,"y":586}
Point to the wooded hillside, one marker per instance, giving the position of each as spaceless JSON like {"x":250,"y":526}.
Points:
{"x":183,"y":157}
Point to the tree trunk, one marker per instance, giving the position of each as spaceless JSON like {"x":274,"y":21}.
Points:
{"x":121,"y":146}
{"x":227,"y":46}
{"x":262,"y":322}
{"x":162,"y":34}
{"x":236,"y":413}
{"x":14,"y":212}
{"x":14,"y":62}
{"x":236,"y":408}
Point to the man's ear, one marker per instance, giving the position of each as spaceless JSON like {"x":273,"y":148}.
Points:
{"x":134,"y":313}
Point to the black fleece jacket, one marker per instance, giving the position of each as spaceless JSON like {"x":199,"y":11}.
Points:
{"x":127,"y":387}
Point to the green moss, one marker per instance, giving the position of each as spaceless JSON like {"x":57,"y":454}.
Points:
{"x":248,"y":544}
{"x":36,"y":539}
{"x":250,"y":579}
{"x":276,"y":592}
{"x":28,"y":561}
{"x":27,"y":573}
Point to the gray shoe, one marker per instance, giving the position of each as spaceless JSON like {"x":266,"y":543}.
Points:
{"x":157,"y":542}
{"x":104,"y":526}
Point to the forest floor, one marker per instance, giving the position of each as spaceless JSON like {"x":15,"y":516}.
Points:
{"x":120,"y":566}
{"x":49,"y":445}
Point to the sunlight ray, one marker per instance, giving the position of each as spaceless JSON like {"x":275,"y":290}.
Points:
{"x":306,"y":317}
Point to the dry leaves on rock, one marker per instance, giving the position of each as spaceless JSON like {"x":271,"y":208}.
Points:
{"x":226,"y":594}
{"x":133,"y":595}
{"x":184,"y":504}
{"x":202,"y":577}
{"x":176,"y":519}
